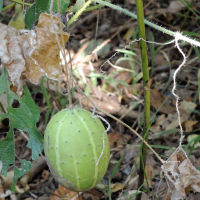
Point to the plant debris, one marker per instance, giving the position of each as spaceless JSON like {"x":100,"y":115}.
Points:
{"x":29,"y":55}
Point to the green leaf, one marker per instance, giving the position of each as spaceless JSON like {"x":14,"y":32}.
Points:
{"x":23,"y":118}
{"x":41,"y":6}
{"x":1,"y":5}
{"x":126,"y":52}
{"x":78,"y":5}
{"x":124,"y":58}
{"x":7,"y":155}
{"x":93,"y":44}
{"x":161,"y":147}
{"x":26,"y":166}
{"x":166,"y":132}
{"x":87,"y":90}
{"x":116,"y":166}
{"x":123,"y":83}
{"x":17,"y":20}
{"x":93,"y":79}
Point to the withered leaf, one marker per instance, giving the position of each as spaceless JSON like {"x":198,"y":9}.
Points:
{"x":64,"y":193}
{"x":32,"y":54}
{"x":157,"y":100}
{"x":181,"y":175}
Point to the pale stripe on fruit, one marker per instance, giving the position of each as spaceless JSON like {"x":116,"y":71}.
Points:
{"x":59,"y":170}
{"x":93,"y":146}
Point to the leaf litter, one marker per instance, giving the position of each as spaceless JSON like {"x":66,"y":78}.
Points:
{"x":168,"y":120}
{"x":181,"y":175}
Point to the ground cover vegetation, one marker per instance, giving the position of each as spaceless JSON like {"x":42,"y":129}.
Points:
{"x":94,"y":55}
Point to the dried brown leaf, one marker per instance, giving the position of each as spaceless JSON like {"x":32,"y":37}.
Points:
{"x":181,"y":175}
{"x":176,"y":6}
{"x":117,"y":186}
{"x":7,"y":181}
{"x":189,"y":175}
{"x":45,"y":175}
{"x":167,"y":195}
{"x":157,"y":100}
{"x":171,"y":121}
{"x":150,"y":174}
{"x":160,"y":124}
{"x":1,"y":191}
{"x":22,"y":190}
{"x":114,"y":138}
{"x":64,"y":193}
{"x":185,"y":111}
{"x":189,"y":125}
{"x":32,"y":54}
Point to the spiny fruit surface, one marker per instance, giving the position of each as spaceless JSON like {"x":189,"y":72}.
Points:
{"x":73,"y":144}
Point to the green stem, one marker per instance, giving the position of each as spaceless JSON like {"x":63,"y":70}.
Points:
{"x":134,"y":16}
{"x":93,"y":8}
{"x":179,"y":36}
{"x":145,"y":70}
{"x":187,"y":15}
{"x":7,"y":7}
{"x":19,"y":2}
{"x":79,"y":12}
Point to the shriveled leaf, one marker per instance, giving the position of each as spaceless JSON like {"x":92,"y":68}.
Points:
{"x":171,"y":121}
{"x":33,"y":54}
{"x":41,"y":6}
{"x":117,"y":186}
{"x":189,"y":124}
{"x":17,"y":20}
{"x":158,"y":98}
{"x":8,"y":180}
{"x":185,"y":110}
{"x":176,"y":6}
{"x":190,"y":176}
{"x":114,"y":138}
{"x":181,"y":175}
{"x":64,"y":193}
{"x":150,"y":174}
{"x":160,"y":123}
{"x":23,"y":118}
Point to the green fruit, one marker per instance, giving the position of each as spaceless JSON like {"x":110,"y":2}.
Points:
{"x":73,"y":143}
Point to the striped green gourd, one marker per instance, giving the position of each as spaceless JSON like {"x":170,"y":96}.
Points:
{"x":73,"y":144}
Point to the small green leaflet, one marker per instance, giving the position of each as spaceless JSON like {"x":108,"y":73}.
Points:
{"x":23,"y":118}
{"x":41,"y":6}
{"x":26,"y":166}
{"x":1,"y":5}
{"x":78,"y":5}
